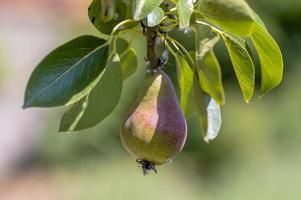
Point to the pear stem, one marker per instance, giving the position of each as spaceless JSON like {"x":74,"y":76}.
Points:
{"x":151,"y":36}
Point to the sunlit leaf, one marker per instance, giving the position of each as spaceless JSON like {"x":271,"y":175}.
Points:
{"x":234,"y":16}
{"x":209,"y":114}
{"x":185,"y":78}
{"x":212,"y":71}
{"x":257,"y":19}
{"x":242,"y":63}
{"x":185,"y":9}
{"x":67,"y":74}
{"x":270,"y":58}
{"x":154,"y":18}
{"x":144,"y":7}
{"x":208,"y":68}
{"x":214,"y":120}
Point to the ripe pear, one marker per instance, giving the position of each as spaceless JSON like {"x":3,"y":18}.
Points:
{"x":155,"y":129}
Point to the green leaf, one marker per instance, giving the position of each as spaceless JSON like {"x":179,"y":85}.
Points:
{"x":121,"y":45}
{"x":208,"y":67}
{"x":270,"y":58}
{"x":103,"y":17}
{"x":144,"y":7}
{"x":185,"y":78}
{"x":191,"y":109}
{"x":101,"y":101}
{"x":200,"y":105}
{"x":154,"y":18}
{"x":67,"y":73}
{"x":212,"y":70}
{"x":234,"y":16}
{"x":128,"y":57}
{"x":206,"y":45}
{"x":107,"y":10}
{"x":173,"y":1}
{"x":257,"y":19}
{"x":242,"y":63}
{"x":73,"y":115}
{"x":185,"y":9}
{"x":208,"y":112}
{"x":129,"y":62}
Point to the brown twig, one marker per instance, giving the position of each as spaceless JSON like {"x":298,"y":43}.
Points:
{"x":151,"y":36}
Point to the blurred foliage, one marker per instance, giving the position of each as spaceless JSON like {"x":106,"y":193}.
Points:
{"x":256,"y":156}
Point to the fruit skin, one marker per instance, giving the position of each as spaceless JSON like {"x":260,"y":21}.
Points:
{"x":155,"y":129}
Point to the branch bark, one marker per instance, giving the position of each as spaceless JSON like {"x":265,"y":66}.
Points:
{"x":151,"y":36}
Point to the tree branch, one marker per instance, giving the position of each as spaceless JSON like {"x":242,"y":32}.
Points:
{"x":151,"y":36}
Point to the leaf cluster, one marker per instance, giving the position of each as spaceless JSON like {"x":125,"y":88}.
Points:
{"x":87,"y":73}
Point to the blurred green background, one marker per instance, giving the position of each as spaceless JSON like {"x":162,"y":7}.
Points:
{"x":257,"y":154}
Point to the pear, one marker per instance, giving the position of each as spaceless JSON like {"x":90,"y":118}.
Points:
{"x":155,"y":129}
